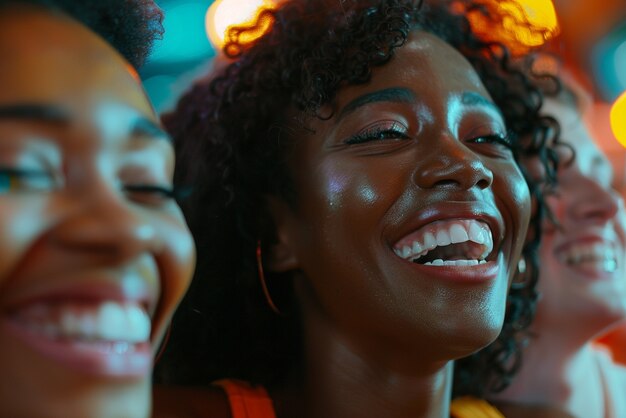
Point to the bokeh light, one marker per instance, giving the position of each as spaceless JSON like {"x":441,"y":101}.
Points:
{"x":226,"y":13}
{"x":618,"y":119}
{"x":526,"y":24}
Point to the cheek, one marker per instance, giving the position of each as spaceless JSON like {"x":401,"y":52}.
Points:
{"x":347,"y":188}
{"x":21,"y":222}
{"x":176,"y":264}
{"x":516,"y":196}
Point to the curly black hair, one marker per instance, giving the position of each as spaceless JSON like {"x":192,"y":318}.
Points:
{"x":231,"y":140}
{"x":130,"y":26}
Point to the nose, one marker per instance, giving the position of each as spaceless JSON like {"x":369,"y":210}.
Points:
{"x":453,"y":166}
{"x":593,"y":202}
{"x":106,"y":225}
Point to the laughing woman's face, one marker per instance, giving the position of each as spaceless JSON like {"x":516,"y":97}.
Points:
{"x":411,"y":212}
{"x":95,"y":254}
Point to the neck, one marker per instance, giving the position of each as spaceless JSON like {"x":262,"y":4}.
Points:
{"x":559,"y":369}
{"x":343,"y":380}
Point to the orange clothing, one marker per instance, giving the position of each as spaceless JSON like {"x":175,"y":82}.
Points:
{"x":254,"y":402}
{"x":468,"y":407}
{"x":247,"y":401}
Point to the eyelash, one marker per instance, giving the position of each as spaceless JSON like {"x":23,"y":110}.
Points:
{"x":504,"y":140}
{"x":379,"y":133}
{"x":176,"y":193}
{"x":9,"y":175}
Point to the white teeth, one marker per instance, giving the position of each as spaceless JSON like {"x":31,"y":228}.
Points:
{"x":443,"y":238}
{"x":444,"y":233}
{"x":139,"y":323}
{"x":429,"y":240}
{"x":108,"y":321}
{"x":458,"y":234}
{"x":601,"y":254}
{"x":461,"y":263}
{"x":111,"y":321}
{"x":476,"y":233}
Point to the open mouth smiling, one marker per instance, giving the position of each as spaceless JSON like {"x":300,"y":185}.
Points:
{"x":452,"y":242}
{"x":597,"y":255}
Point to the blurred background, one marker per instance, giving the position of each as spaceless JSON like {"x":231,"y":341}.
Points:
{"x":589,"y":35}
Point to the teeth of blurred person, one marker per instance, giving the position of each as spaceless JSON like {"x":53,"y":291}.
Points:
{"x":597,"y":253}
{"x":474,"y":238}
{"x":107,"y":321}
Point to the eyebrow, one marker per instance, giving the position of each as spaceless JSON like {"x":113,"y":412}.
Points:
{"x":471,"y":98}
{"x":393,"y":94}
{"x":34,"y":112}
{"x":144,"y":127}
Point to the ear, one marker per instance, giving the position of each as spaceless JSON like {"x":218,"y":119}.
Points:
{"x":281,"y":256}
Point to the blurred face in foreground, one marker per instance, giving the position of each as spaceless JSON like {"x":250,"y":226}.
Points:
{"x":95,"y":254}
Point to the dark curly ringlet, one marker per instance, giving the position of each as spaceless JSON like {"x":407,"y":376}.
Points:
{"x":130,"y":26}
{"x":233,"y":133}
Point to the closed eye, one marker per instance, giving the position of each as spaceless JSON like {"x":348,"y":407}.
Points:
{"x":154,"y":194}
{"x":25,"y":180}
{"x":380,"y":131}
{"x":494,"y":139}
{"x":494,"y":145}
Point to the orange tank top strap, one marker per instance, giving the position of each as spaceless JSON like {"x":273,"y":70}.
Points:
{"x":468,"y":407}
{"x":247,"y":401}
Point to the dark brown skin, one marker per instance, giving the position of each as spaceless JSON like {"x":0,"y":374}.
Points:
{"x":381,"y":332}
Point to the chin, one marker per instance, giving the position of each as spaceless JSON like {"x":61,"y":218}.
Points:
{"x":467,"y":337}
{"x":90,"y":400}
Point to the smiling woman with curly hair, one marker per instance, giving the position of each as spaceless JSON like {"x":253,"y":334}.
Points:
{"x":360,"y":212}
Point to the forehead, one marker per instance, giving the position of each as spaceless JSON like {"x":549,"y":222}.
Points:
{"x":48,"y":58}
{"x":429,"y":66}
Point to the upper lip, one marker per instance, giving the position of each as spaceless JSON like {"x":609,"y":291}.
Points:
{"x":451,"y":210}
{"x":582,"y":238}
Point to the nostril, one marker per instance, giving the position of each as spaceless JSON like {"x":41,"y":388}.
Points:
{"x":447,"y":183}
{"x":483,"y":183}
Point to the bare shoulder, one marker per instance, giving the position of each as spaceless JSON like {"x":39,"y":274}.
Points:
{"x":185,"y":402}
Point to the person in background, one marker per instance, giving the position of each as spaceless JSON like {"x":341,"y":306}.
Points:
{"x":360,"y":215}
{"x":95,"y":253}
{"x":582,"y":284}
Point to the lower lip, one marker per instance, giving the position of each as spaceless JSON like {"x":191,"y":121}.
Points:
{"x":89,"y":359}
{"x":480,"y":273}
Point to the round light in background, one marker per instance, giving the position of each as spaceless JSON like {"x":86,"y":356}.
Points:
{"x":618,"y":119}
{"x":225,"y":13}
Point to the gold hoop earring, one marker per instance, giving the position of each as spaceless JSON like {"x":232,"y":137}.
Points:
{"x":266,"y":292}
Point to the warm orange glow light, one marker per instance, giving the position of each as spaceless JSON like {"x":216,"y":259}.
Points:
{"x":225,"y":13}
{"x":514,"y":31}
{"x":618,"y":119}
